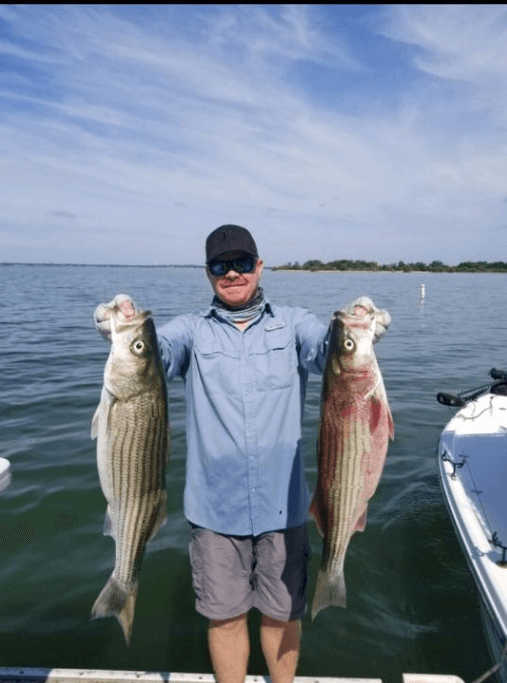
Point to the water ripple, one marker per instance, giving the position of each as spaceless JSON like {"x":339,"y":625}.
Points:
{"x":408,"y":586}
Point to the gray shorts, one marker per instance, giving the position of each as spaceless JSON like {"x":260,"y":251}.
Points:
{"x":232,"y":574}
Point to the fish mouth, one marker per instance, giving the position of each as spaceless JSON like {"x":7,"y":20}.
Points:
{"x":125,"y":311}
{"x":358,"y":311}
{"x":360,"y":308}
{"x":126,"y":317}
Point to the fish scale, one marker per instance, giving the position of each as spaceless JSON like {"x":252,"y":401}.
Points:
{"x":345,"y":496}
{"x":354,"y":431}
{"x":136,"y":531}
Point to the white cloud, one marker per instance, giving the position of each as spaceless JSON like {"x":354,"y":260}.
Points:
{"x":137,"y":120}
{"x":464,"y":42}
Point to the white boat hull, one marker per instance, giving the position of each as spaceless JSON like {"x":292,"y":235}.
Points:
{"x":472,"y":462}
{"x":5,"y":473}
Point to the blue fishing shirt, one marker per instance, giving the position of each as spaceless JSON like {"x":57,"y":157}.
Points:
{"x":245,"y":391}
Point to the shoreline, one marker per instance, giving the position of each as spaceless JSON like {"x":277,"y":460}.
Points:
{"x":393,"y":272}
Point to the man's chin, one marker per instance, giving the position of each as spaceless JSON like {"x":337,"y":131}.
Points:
{"x":233,"y":298}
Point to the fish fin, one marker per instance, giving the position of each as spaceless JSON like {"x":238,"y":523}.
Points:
{"x":161,"y":517}
{"x":315,"y":513}
{"x":379,"y":406}
{"x":114,"y":601}
{"x":330,"y":590}
{"x":108,"y":524}
{"x":103,"y":409}
{"x":391,"y":424}
{"x":336,"y":365}
{"x":361,"y":522}
{"x":95,"y":423}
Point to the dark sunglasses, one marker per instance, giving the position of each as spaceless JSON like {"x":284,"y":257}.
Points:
{"x":239,"y":265}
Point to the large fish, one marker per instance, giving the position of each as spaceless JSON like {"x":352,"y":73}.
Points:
{"x":355,"y":427}
{"x":131,"y":428}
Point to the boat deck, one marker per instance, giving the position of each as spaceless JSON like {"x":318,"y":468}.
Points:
{"x":35,"y":675}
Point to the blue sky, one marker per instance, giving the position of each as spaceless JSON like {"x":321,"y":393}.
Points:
{"x":377,"y":132}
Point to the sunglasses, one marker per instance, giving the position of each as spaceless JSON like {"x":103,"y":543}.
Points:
{"x":239,"y":265}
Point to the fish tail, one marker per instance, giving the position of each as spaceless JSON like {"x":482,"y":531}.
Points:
{"x":330,"y":590}
{"x":114,"y":601}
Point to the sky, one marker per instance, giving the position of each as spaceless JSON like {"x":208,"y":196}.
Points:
{"x":375,"y":132}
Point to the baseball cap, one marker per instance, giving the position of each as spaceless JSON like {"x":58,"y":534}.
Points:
{"x":229,"y":238}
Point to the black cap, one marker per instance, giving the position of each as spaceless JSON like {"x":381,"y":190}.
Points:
{"x":229,"y":238}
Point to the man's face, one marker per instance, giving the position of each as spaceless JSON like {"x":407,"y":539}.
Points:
{"x":236,"y":289}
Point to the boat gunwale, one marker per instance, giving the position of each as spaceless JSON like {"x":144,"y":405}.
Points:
{"x":481,"y":556}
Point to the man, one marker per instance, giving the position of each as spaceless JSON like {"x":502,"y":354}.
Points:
{"x":245,"y":363}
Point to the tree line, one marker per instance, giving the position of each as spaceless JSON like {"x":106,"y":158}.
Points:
{"x":401,"y":266}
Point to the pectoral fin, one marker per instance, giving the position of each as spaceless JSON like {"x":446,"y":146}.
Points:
{"x":161,"y":517}
{"x":101,"y":415}
{"x":314,"y":510}
{"x":108,"y":524}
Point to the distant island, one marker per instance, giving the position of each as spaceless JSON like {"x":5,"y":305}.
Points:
{"x":400,"y":267}
{"x":103,"y":265}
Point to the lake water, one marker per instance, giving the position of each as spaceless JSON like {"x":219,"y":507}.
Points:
{"x":412,"y":605}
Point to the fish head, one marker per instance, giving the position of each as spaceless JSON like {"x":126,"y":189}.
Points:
{"x":351,"y":343}
{"x":355,"y":329}
{"x":134,"y":355}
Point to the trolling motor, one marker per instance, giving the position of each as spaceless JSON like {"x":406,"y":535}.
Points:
{"x":459,"y":400}
{"x":498,"y":374}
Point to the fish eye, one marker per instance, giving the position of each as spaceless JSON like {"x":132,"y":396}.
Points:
{"x":139,"y":346}
{"x":348,"y":344}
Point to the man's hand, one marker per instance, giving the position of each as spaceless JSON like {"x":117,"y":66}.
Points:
{"x":365,"y":305}
{"x":102,"y":313}
{"x":127,"y":307}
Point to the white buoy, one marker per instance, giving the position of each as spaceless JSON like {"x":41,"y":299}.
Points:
{"x":422,"y":292}
{"x":5,"y":474}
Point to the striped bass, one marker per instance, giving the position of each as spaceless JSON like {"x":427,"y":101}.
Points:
{"x":131,"y":428}
{"x":354,"y":431}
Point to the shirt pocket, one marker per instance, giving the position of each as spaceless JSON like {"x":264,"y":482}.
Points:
{"x":217,"y":367}
{"x":274,"y":360}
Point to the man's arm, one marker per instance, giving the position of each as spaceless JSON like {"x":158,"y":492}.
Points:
{"x":312,"y":338}
{"x":175,"y":341}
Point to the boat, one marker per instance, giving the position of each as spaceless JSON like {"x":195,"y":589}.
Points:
{"x":5,"y":473}
{"x":38,"y":675}
{"x":472,"y":467}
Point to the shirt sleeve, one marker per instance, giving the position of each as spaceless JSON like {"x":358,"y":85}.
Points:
{"x":175,"y":341}
{"x":312,"y":338}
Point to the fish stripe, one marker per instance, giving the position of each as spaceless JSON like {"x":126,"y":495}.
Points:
{"x":135,"y":518}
